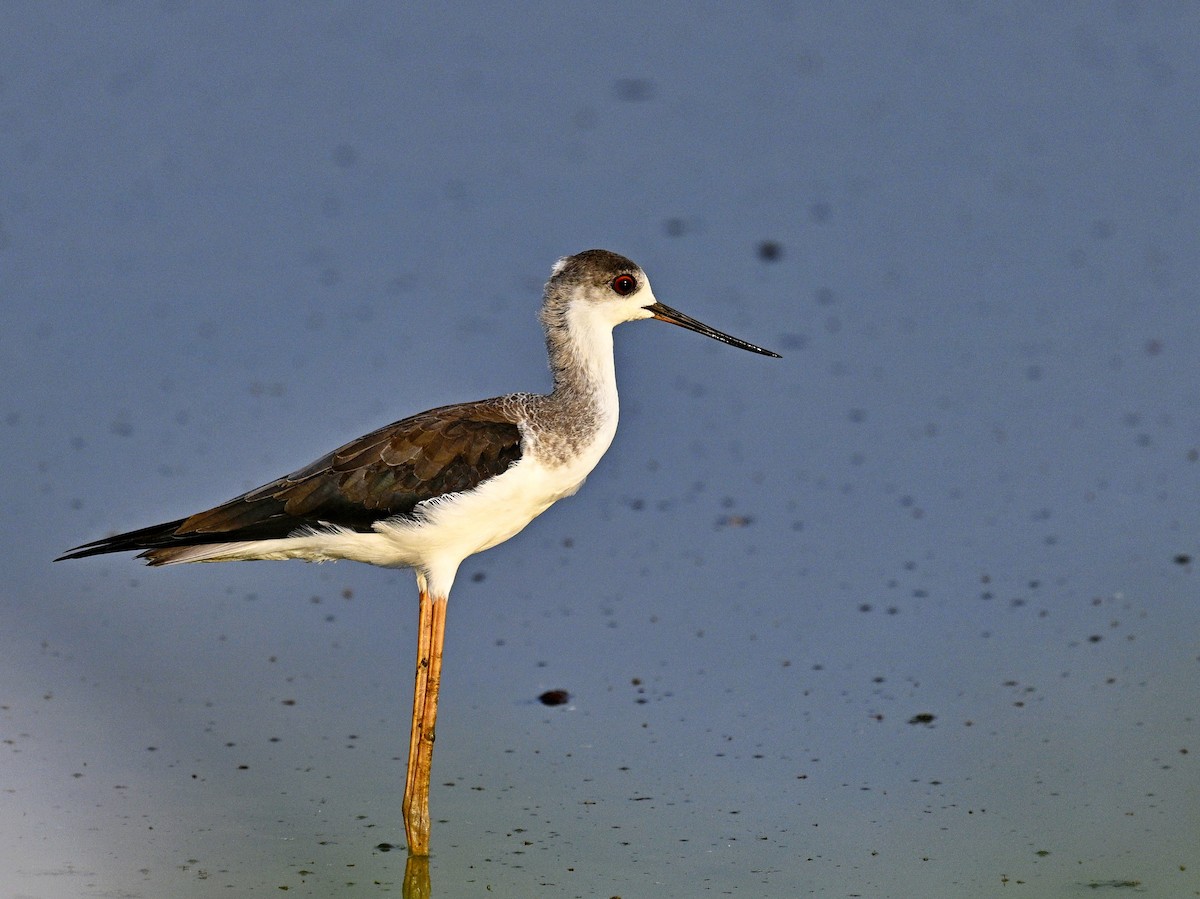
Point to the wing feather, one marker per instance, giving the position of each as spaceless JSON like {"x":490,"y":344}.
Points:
{"x":384,"y":474}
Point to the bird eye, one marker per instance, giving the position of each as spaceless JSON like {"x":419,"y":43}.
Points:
{"x":624,"y":284}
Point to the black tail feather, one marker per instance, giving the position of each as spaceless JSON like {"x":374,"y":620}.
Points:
{"x":168,"y":535}
{"x":155,"y":536}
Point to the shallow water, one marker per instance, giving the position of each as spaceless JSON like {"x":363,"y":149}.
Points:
{"x":910,"y":612}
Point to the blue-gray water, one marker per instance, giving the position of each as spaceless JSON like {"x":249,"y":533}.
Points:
{"x":910,"y":612}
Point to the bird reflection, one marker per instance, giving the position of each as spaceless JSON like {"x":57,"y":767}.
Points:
{"x":416,"y":878}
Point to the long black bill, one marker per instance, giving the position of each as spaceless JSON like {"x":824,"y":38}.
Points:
{"x":675,"y":317}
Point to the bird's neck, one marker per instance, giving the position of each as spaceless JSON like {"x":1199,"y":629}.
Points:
{"x":580,"y":346}
{"x":583,"y":404}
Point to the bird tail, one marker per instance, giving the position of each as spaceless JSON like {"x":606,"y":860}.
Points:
{"x":160,"y":544}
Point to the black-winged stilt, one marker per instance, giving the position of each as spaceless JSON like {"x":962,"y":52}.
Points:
{"x":429,"y":491}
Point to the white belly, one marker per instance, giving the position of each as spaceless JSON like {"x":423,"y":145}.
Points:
{"x":461,"y":524}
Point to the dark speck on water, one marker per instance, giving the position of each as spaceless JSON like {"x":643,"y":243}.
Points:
{"x":770,"y":251}
{"x":555,"y":697}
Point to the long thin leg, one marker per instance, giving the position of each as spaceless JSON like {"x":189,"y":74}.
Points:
{"x":424,"y":635}
{"x":431,"y":636}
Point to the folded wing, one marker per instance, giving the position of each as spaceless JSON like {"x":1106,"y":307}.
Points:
{"x":384,"y":474}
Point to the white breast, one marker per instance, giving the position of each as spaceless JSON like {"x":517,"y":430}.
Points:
{"x":458,"y":525}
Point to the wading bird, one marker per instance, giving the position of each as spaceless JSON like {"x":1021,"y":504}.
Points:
{"x":426,"y":492}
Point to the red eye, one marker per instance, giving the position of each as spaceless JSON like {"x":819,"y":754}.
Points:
{"x":624,"y":284}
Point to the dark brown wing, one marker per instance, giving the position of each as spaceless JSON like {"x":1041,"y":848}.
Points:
{"x":381,"y":475}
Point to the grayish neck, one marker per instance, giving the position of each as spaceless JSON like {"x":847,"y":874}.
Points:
{"x":583,"y":406}
{"x":581,"y":360}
